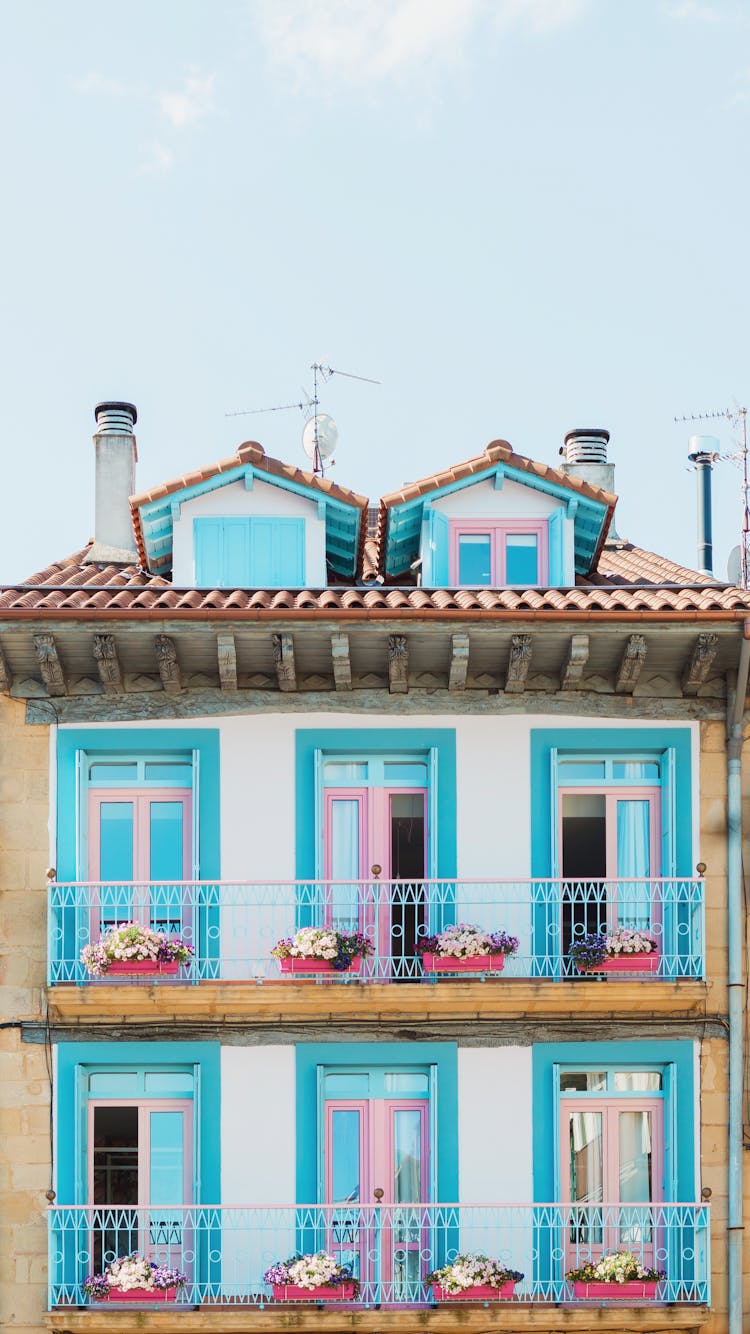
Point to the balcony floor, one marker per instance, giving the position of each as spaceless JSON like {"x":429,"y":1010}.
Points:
{"x":506,"y":1318}
{"x":370,"y":1004}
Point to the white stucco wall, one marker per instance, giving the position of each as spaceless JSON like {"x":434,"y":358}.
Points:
{"x":257,"y":1161}
{"x":264,"y":500}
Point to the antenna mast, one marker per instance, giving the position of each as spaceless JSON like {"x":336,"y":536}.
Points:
{"x":738,"y":417}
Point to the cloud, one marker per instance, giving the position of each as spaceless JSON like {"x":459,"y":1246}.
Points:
{"x":193,"y":103}
{"x":356,"y":39}
{"x":703,"y":11}
{"x":160,"y":159}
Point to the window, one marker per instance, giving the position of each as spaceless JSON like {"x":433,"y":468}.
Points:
{"x":249,"y":552}
{"x":499,"y":553}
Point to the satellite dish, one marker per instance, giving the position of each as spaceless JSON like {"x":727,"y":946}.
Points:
{"x":320,"y":434}
{"x":734,"y":567}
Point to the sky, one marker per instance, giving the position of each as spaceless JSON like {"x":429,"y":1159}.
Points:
{"x":519,"y":216}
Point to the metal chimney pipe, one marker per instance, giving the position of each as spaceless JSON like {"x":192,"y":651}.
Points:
{"x":703,"y":451}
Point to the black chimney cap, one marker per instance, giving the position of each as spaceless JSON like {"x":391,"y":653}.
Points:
{"x":116,"y":406}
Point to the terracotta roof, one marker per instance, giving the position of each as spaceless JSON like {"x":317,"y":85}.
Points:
{"x":630,"y":582}
{"x":254,"y":454}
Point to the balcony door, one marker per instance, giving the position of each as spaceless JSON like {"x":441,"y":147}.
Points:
{"x":375,"y":842}
{"x":377,"y":1153}
{"x":140,"y":1171}
{"x":138,"y":837}
{"x":612,"y":1163}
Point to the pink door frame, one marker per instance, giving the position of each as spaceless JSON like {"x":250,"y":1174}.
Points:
{"x":610,"y":1109}
{"x":141,"y":800}
{"x":611,"y":797}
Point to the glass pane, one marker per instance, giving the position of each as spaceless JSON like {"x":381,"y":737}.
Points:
{"x":586,"y":1180}
{"x":634,"y":1135}
{"x":583,"y":1081}
{"x":584,"y":837}
{"x":338,"y":773}
{"x":474,"y":558}
{"x":175,"y":772}
{"x":114,"y":774}
{"x":347,"y":1086}
{"x":590,"y":771}
{"x":166,"y":831}
{"x":634,"y":863}
{"x":161,"y":1082}
{"x":115,"y":1153}
{"x":638,"y":1081}
{"x":167,"y":1158}
{"x":404,"y":771}
{"x":636,"y":770}
{"x":407,"y":1156}
{"x":521,"y":559}
{"x":117,"y":1084}
{"x":345,"y":1147}
{"x":116,"y":840}
{"x":411,"y":1084}
{"x":344,"y":863}
{"x":407,"y":837}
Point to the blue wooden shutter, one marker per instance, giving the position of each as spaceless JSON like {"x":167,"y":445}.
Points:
{"x":277,"y":553}
{"x":235,"y":560}
{"x":439,"y":571}
{"x":668,"y":813}
{"x":207,"y":552}
{"x":557,"y":548}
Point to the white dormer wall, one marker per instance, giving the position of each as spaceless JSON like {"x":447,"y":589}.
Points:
{"x":511,"y":501}
{"x":263,"y":500}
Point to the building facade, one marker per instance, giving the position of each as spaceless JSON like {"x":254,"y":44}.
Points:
{"x":257,"y":706}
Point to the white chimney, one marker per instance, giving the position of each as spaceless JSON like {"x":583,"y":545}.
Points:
{"x":116,"y":454}
{"x":585,"y":455}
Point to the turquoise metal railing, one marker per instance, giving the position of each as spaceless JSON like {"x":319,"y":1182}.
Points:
{"x":233,"y":926}
{"x":225,"y":1250}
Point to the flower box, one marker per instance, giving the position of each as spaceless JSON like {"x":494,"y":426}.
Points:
{"x":477,"y":963}
{"x":627,"y":963}
{"x":296,"y":965}
{"x":635,"y":1289}
{"x":142,"y":968}
{"x":327,"y":1292}
{"x":480,"y":1292}
{"x":142,"y":1295}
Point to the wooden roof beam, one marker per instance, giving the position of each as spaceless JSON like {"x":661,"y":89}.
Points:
{"x":698,"y":669}
{"x":50,"y":666}
{"x":518,"y":664}
{"x":226,"y":653}
{"x":342,"y":667}
{"x":459,"y":662}
{"x":283,"y":657}
{"x":398,"y":665}
{"x":169,"y":667}
{"x":631,"y":665}
{"x":108,"y":664}
{"x":578,"y":656}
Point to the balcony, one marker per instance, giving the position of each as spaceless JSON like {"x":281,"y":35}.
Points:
{"x":224,"y":1250}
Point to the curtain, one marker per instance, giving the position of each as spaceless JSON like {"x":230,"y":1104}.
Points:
{"x":634,"y":862}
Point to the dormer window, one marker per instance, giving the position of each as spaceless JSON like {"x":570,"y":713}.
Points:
{"x":498,"y":554}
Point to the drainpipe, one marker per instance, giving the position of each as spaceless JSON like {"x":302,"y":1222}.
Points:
{"x":736,"y":932}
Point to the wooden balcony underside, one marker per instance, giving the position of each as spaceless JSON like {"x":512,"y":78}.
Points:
{"x":515,"y":1318}
{"x":374,"y":1003}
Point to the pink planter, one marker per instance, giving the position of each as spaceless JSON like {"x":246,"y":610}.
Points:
{"x":328,"y":1292}
{"x":481,"y":1292}
{"x":480,"y":963}
{"x":312,"y":966}
{"x":628,"y":963}
{"x":142,"y":1295}
{"x":142,"y":968}
{"x":635,"y":1290}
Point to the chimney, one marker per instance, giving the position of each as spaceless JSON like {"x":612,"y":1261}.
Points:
{"x":115,"y":454}
{"x":585,"y":455}
{"x":703,"y":451}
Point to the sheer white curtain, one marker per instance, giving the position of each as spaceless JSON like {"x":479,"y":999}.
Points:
{"x":634,"y":862}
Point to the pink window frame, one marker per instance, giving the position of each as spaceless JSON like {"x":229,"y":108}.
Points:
{"x":610,"y":1109}
{"x":141,"y":800}
{"x":498,"y":530}
{"x":145,"y":1107}
{"x":611,"y":797}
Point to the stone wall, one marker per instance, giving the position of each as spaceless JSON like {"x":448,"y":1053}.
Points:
{"x":24,"y":1080}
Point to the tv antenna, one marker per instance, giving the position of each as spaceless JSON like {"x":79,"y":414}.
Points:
{"x":320,"y":433}
{"x":738,"y":418}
